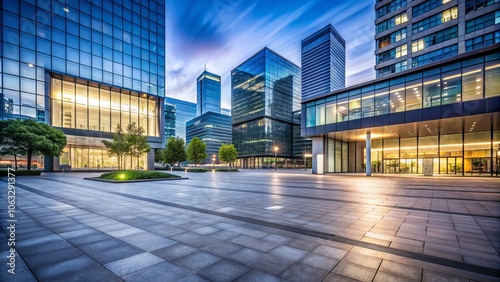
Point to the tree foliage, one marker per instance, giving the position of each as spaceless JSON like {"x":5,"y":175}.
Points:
{"x":197,"y":151}
{"x":228,"y":153}
{"x":132,"y":143}
{"x":175,"y":151}
{"x":28,"y":136}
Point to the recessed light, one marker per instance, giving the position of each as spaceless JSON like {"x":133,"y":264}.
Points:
{"x":66,"y":9}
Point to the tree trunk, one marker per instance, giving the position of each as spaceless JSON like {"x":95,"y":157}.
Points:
{"x":138,"y":162}
{"x":30,"y":152}
{"x":15,"y":161}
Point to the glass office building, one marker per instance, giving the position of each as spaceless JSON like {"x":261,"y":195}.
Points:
{"x":443,"y":117}
{"x":265,"y":92}
{"x":170,"y":116}
{"x":208,"y":93}
{"x":184,"y":112}
{"x":323,"y":62}
{"x":85,"y":67}
{"x":214,"y":129}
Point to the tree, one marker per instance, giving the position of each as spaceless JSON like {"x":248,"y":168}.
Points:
{"x":197,"y":151}
{"x":159,"y":155}
{"x":137,"y":142}
{"x":228,"y":153}
{"x":119,"y":147}
{"x":8,"y":147}
{"x":30,"y":136}
{"x":174,"y":151}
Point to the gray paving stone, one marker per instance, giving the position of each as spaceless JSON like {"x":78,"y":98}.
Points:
{"x":330,"y":252}
{"x":257,"y":275}
{"x":224,"y":270}
{"x":254,"y":243}
{"x":272,"y":264}
{"x":433,"y":276}
{"x":245,"y":255}
{"x":99,"y":246}
{"x":175,"y":251}
{"x":301,"y":272}
{"x":164,"y":271}
{"x":222,"y":248}
{"x":148,"y":241}
{"x":382,"y":276}
{"x":401,"y":270}
{"x":278,"y":239}
{"x":197,"y":261}
{"x":288,"y":253}
{"x":205,"y":230}
{"x":354,"y":271}
{"x":63,"y":268}
{"x":115,"y":254}
{"x":194,"y":239}
{"x":53,"y":257}
{"x":319,"y":261}
{"x":224,"y":235}
{"x":333,"y":277}
{"x":133,"y":263}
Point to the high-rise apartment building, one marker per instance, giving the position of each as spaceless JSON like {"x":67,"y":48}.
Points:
{"x":415,"y":33}
{"x":323,"y":62}
{"x":265,"y":92}
{"x":85,"y":67}
{"x":438,"y":113}
{"x":184,"y":112}
{"x":208,"y":93}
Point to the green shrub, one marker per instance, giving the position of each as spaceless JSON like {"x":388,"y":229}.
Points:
{"x":136,"y":174}
{"x":21,"y":172}
{"x":227,"y":169}
{"x":197,"y":170}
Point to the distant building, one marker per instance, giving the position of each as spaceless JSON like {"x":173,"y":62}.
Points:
{"x":323,"y":62}
{"x":170,"y":116}
{"x":265,"y":93}
{"x":184,"y":111}
{"x":208,"y":93}
{"x":214,"y":129}
{"x":225,"y":111}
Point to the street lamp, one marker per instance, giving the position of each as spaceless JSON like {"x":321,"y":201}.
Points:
{"x":276,"y":148}
{"x":213,"y":162}
{"x":305,"y":160}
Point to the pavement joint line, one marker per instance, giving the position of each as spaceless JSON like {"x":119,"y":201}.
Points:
{"x":405,"y":188}
{"x":313,"y":198}
{"x":412,"y":255}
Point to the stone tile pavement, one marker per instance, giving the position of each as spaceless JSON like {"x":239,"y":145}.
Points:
{"x":255,"y":225}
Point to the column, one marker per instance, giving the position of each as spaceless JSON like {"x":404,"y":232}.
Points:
{"x":318,"y":155}
{"x":150,"y":160}
{"x":368,"y":154}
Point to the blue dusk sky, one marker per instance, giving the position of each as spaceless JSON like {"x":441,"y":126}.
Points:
{"x":224,"y":33}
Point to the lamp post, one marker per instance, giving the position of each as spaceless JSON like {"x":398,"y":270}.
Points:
{"x":498,"y":156}
{"x":276,"y":148}
{"x":213,"y":162}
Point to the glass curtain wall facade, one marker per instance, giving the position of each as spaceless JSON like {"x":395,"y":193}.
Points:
{"x":265,"y":92}
{"x":213,"y":129}
{"x":111,"y":50}
{"x":208,"y":93}
{"x":449,"y":113}
{"x":170,"y":118}
{"x":323,"y":62}
{"x":185,"y":111}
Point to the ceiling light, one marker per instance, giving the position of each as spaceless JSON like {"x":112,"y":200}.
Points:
{"x":31,"y":65}
{"x":66,"y":9}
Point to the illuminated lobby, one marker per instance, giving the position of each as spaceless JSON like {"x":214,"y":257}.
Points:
{"x":440,"y":119}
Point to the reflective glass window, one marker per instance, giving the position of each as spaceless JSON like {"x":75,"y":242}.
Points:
{"x":472,"y":83}
{"x":452,"y":87}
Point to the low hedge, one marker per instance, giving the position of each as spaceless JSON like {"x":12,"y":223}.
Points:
{"x":227,"y":169}
{"x":21,"y":172}
{"x":136,"y":174}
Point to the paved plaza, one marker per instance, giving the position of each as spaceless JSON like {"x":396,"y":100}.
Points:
{"x":255,"y":225}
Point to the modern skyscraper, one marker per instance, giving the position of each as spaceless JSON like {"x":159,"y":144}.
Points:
{"x":323,"y":62}
{"x":415,"y":33}
{"x":170,"y":117}
{"x":214,"y":129}
{"x":225,"y":111}
{"x":208,"y":93}
{"x":85,"y":67}
{"x":184,"y":112}
{"x":265,"y":92}
{"x":440,"y":115}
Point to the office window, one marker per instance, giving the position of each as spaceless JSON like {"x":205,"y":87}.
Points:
{"x":427,"y":6}
{"x":331,"y":112}
{"x":452,"y":87}
{"x":354,"y":107}
{"x":392,"y":22}
{"x":393,"y":6}
{"x":436,"y":55}
{"x":435,"y":38}
{"x":368,"y":104}
{"x":473,"y":5}
{"x":395,"y":68}
{"x":342,"y":110}
{"x":482,"y":41}
{"x":392,"y":54}
{"x":397,"y":95}
{"x":492,"y":78}
{"x":413,"y":95}
{"x":381,"y":102}
{"x":432,"y":91}
{"x":320,"y":114}
{"x":482,"y":21}
{"x":472,"y":83}
{"x":435,"y":20}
